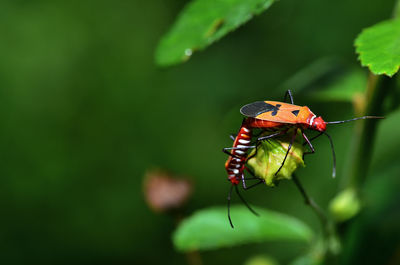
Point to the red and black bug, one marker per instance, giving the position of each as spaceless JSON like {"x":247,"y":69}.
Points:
{"x":277,"y":117}
{"x":235,"y":165}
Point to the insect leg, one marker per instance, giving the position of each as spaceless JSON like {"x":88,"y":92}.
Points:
{"x":233,"y":136}
{"x":240,"y":148}
{"x":259,"y":139}
{"x":255,"y":184}
{"x":253,"y":178}
{"x":315,"y":137}
{"x":309,"y":144}
{"x":225,"y":150}
{"x":290,"y":146}
{"x":289,"y":93}
{"x":243,"y":181}
{"x":243,"y":200}
{"x":230,"y":154}
{"x":229,"y":205}
{"x":271,"y":135}
{"x":255,"y":153}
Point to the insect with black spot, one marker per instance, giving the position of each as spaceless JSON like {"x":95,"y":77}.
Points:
{"x":278,"y":117}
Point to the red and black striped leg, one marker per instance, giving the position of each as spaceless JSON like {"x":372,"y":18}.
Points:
{"x":229,"y":206}
{"x":289,"y":93}
{"x":287,"y":153}
{"x":245,"y":203}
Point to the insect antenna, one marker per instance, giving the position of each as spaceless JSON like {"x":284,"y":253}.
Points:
{"x":333,"y":154}
{"x":229,"y":206}
{"x":359,"y":118}
{"x":330,"y":139}
{"x":245,"y":203}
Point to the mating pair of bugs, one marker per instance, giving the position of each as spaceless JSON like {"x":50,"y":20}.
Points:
{"x":277,"y":118}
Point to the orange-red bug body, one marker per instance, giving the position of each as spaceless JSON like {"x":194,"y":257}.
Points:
{"x":275,"y":114}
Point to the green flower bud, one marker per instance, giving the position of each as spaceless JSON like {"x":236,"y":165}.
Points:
{"x":345,"y":205}
{"x":267,"y":159}
{"x":261,"y":260}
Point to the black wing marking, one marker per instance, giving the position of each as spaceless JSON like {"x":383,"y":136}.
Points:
{"x":256,"y":108}
{"x":296,"y":112}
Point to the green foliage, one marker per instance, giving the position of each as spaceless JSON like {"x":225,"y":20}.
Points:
{"x":85,"y":113}
{"x":327,"y":79}
{"x":379,"y":216}
{"x":268,"y":158}
{"x":312,"y":75}
{"x":379,"y":47}
{"x":346,"y":88}
{"x":210,"y":229}
{"x":201,"y":23}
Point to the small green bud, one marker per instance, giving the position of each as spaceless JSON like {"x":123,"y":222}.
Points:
{"x":345,"y":205}
{"x":267,"y":159}
{"x":261,"y":260}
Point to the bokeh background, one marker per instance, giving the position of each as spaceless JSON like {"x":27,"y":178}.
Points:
{"x":85,"y":112}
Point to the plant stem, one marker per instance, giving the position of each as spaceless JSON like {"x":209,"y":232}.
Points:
{"x":364,"y":134}
{"x":309,"y":201}
{"x":396,"y":10}
{"x":331,"y":243}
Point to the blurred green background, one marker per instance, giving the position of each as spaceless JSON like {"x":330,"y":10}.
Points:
{"x":85,"y":112}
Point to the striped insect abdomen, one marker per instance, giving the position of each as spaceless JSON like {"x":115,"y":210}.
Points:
{"x":236,"y":163}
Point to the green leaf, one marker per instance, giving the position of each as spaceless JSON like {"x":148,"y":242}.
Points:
{"x":209,"y":229}
{"x":203,"y":22}
{"x":379,"y":47}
